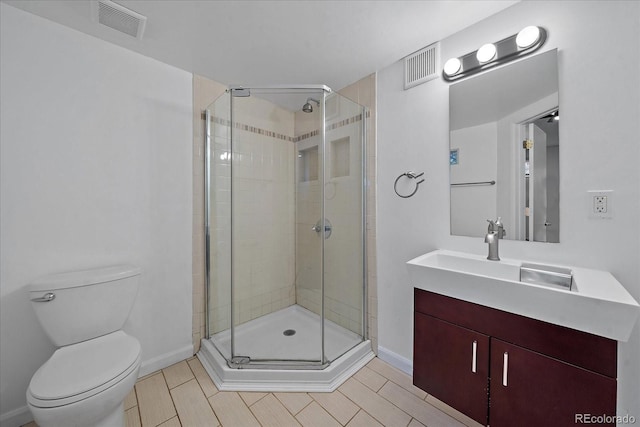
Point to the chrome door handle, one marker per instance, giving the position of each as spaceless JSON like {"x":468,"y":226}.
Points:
{"x":328,"y":228}
{"x":505,"y":368}
{"x":474,"y":356}
{"x":49,"y":296}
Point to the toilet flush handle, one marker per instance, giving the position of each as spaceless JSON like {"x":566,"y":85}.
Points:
{"x":49,"y":296}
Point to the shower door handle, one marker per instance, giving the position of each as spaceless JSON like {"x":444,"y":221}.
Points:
{"x":327,"y":228}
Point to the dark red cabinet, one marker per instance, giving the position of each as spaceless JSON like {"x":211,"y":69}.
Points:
{"x":537,"y":390}
{"x":452,"y":364}
{"x":503,"y":369}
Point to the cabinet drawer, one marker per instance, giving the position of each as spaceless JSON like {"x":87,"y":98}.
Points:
{"x":579,"y":348}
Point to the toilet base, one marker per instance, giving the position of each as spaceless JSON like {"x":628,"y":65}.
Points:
{"x":114,"y":419}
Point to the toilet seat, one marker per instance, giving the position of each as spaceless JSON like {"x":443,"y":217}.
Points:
{"x":79,"y":371}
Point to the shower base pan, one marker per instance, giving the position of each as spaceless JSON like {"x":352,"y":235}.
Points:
{"x":271,"y":334}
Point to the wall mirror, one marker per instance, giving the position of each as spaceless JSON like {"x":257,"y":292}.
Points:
{"x":504,"y":141}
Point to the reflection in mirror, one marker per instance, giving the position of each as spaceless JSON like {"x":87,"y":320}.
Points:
{"x":504,"y":145}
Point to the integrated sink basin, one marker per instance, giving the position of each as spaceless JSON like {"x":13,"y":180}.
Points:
{"x":584,"y":299}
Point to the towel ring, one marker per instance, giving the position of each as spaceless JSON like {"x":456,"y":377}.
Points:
{"x":411,"y":175}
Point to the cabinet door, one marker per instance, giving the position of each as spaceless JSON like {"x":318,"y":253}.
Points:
{"x":530,"y":389}
{"x":451,"y":363}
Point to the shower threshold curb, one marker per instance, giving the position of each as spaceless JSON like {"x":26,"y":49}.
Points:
{"x":284,"y":380}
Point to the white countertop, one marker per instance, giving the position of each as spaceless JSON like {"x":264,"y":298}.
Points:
{"x":597,"y":302}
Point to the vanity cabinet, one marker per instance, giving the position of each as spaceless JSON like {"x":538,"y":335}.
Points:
{"x":452,"y":364}
{"x":503,"y":369}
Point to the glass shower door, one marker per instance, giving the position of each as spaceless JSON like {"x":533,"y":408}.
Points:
{"x":218,"y":223}
{"x":275,"y":252}
{"x":344,"y":203}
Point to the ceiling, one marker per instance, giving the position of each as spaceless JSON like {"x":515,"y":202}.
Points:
{"x":277,"y":42}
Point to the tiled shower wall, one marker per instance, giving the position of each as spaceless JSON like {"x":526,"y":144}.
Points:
{"x":263,"y":199}
{"x":272,"y":298}
{"x":343,"y":206}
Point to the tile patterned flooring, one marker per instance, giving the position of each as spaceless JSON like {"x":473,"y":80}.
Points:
{"x":376,"y":395}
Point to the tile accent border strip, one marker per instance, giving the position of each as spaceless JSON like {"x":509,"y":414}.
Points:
{"x":276,"y":135}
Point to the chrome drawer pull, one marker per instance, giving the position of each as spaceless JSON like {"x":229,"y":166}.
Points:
{"x":474,"y":354}
{"x":49,"y":296}
{"x":505,"y":368}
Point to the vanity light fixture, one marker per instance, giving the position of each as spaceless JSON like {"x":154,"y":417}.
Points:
{"x":491,"y":54}
{"x":452,"y":66}
{"x":486,"y":53}
{"x":527,"y":37}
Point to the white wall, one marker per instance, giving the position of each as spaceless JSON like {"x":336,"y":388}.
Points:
{"x":477,"y":162}
{"x":96,"y":169}
{"x":599,"y":150}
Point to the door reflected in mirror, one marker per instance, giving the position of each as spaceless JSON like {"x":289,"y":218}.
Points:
{"x":504,"y":151}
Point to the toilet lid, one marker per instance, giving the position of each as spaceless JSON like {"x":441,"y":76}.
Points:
{"x":78,"y":368}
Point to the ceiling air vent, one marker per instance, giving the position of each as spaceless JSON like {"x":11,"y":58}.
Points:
{"x":422,"y":66}
{"x":119,"y":18}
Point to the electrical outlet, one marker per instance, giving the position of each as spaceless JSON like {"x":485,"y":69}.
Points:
{"x":600,"y":204}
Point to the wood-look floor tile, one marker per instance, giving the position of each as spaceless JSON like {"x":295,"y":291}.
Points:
{"x":341,"y":408}
{"x":173,"y":422}
{"x":147,"y":376}
{"x":416,"y":407}
{"x":208,"y":387}
{"x":177,"y":374}
{"x":231,"y":410}
{"x":370,"y":378}
{"x":130,"y":401}
{"x":251,"y":397}
{"x":132,"y":417}
{"x":395,"y":375}
{"x":470,"y":422}
{"x":271,"y":413}
{"x":154,"y":400}
{"x":192,"y":405}
{"x":415,"y":423}
{"x":362,"y":419}
{"x":375,"y":405}
{"x":294,"y":402}
{"x":314,"y":416}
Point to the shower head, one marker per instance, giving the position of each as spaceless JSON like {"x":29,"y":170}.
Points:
{"x":307,"y":107}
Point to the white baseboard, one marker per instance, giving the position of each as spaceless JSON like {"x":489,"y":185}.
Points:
{"x":16,"y":417}
{"x":395,"y":360}
{"x":164,"y":360}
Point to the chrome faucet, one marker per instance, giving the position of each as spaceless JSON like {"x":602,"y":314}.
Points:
{"x":492,"y":240}
{"x":497,"y":227}
{"x":495,"y":232}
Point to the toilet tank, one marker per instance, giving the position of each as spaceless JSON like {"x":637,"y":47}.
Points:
{"x":80,"y":305}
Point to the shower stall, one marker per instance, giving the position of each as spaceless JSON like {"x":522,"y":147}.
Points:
{"x":285,"y":239}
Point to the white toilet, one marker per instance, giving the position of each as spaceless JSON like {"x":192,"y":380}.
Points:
{"x":85,"y":381}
